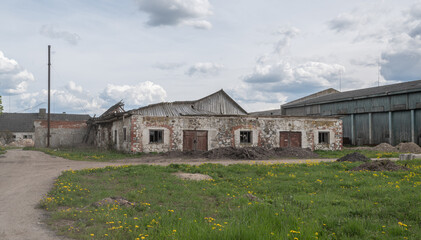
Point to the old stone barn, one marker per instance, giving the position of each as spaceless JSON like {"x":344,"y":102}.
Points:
{"x":211,"y":122}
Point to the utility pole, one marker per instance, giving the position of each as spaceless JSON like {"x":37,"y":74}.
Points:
{"x":49,"y":65}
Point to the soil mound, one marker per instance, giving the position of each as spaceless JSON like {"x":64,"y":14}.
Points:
{"x":113,"y":201}
{"x":246,"y":153}
{"x":294,"y":152}
{"x":385,"y":147}
{"x":409,"y":147}
{"x":252,"y":153}
{"x":380,"y":165}
{"x":353,"y":157}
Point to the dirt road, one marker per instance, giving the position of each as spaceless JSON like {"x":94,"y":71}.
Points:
{"x":26,"y":176}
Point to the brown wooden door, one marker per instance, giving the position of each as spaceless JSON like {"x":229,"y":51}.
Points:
{"x":290,"y":139}
{"x":195,"y":140}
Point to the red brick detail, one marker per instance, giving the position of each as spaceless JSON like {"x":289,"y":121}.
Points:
{"x":63,"y":124}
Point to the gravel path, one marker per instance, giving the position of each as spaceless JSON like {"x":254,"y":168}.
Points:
{"x":26,"y":176}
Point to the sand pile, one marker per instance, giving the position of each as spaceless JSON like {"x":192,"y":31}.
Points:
{"x":409,"y":147}
{"x":385,"y":147}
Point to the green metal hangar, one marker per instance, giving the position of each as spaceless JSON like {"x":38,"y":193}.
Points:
{"x":390,"y":113}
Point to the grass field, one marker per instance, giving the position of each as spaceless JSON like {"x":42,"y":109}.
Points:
{"x":282,"y":201}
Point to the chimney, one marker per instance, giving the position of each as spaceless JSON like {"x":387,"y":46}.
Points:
{"x":42,"y":113}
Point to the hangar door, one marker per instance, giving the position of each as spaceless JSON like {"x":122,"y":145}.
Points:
{"x":290,"y":139}
{"x":195,"y":140}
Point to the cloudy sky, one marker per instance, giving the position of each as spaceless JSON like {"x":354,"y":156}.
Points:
{"x":262,"y":53}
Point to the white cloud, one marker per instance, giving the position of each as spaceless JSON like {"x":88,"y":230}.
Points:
{"x":344,"y":22}
{"x":50,"y":32}
{"x":71,"y":86}
{"x":134,"y":96}
{"x":286,"y":34}
{"x":13,"y":78}
{"x":204,"y":68}
{"x":177,"y":12}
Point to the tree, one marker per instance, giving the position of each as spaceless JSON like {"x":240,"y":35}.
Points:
{"x":1,"y":106}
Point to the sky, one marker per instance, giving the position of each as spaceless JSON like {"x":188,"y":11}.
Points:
{"x":262,"y":53}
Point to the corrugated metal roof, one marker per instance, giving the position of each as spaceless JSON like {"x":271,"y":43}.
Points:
{"x":218,"y":103}
{"x":24,"y":122}
{"x":411,"y":86}
{"x":170,"y":109}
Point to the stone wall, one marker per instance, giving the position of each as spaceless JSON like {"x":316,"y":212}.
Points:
{"x":63,"y":133}
{"x":224,"y":131}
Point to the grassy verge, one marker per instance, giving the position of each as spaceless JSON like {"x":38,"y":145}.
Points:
{"x":2,"y":150}
{"x":281,"y":201}
{"x":367,"y":153}
{"x":87,"y":154}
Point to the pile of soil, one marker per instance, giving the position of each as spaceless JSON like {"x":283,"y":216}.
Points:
{"x":246,"y":153}
{"x":252,"y":153}
{"x":113,"y":201}
{"x":385,"y":147}
{"x":354,"y":157}
{"x":294,"y":152}
{"x":409,"y":147}
{"x":380,"y":165}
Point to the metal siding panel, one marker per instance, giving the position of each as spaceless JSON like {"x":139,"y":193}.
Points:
{"x":346,"y":122}
{"x":361,"y":129}
{"x":414,"y":98}
{"x":418,"y":126}
{"x":380,"y":127}
{"x":401,"y":125}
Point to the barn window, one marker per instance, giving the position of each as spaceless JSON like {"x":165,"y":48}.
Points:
{"x":324,"y":137}
{"x":124,"y":134}
{"x":115,"y":136}
{"x":156,"y":136}
{"x":245,"y":136}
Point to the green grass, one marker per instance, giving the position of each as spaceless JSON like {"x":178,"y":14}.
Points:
{"x":2,"y":150}
{"x":367,"y":153}
{"x":88,"y":154}
{"x":281,"y":201}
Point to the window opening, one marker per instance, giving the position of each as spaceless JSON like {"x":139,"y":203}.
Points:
{"x":156,"y":136}
{"x":324,"y":137}
{"x":245,"y":136}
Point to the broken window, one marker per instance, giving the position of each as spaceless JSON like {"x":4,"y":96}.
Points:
{"x":324,"y":137}
{"x":25,"y":136}
{"x":156,"y":136}
{"x":29,"y":136}
{"x":245,"y":136}
{"x":124,"y":134}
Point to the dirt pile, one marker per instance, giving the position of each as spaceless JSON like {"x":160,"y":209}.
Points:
{"x":295,"y":152}
{"x":380,"y":165}
{"x":385,"y":147}
{"x":408,"y":147}
{"x":353,"y":157}
{"x":113,"y":201}
{"x":258,"y":153}
{"x":246,"y":153}
{"x":22,"y":143}
{"x":252,"y":153}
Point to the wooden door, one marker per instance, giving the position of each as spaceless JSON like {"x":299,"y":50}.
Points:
{"x":290,"y":139}
{"x":195,"y":140}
